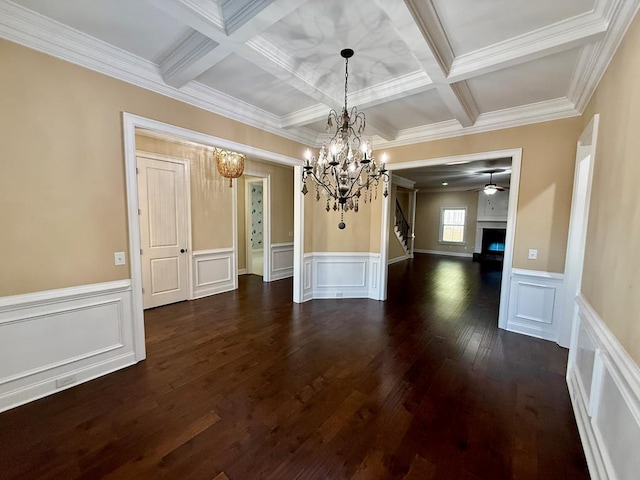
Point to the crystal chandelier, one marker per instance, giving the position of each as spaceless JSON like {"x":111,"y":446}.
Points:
{"x":230,"y":164}
{"x":346,"y":170}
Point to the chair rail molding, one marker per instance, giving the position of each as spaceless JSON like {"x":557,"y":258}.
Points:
{"x":73,"y":335}
{"x":604,"y":386}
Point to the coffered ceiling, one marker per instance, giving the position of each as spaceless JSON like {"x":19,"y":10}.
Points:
{"x":423,"y":69}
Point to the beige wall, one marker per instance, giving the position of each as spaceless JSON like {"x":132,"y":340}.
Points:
{"x":396,"y":250}
{"x":62,"y":187}
{"x":362,"y":232}
{"x":546,"y":185}
{"x":428,"y":208}
{"x":281,"y":198}
{"x":611,"y":279}
{"x":281,"y":205}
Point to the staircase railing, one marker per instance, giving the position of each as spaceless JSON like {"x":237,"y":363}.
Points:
{"x":401,"y":223}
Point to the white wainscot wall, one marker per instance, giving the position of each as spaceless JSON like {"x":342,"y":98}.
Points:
{"x":214,"y":271}
{"x":604,"y":385}
{"x":341,"y":275}
{"x":281,"y":261}
{"x":56,"y":339}
{"x":535,"y":303}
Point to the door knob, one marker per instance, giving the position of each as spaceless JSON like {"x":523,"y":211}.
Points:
{"x":182,"y":250}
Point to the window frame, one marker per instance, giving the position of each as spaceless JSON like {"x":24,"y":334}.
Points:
{"x":464,"y":226}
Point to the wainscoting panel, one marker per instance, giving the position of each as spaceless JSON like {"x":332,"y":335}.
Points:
{"x":604,"y":385}
{"x":53,"y":340}
{"x":341,"y":275}
{"x":213,"y":272}
{"x":307,"y":277}
{"x":535,"y":303}
{"x":281,"y":261}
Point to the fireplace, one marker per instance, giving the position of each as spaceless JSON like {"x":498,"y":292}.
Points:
{"x":493,"y":240}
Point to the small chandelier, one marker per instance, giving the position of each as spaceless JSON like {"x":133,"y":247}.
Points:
{"x":346,"y":171}
{"x":230,"y":164}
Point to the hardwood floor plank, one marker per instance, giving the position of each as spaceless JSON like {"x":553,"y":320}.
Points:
{"x":247,"y":385}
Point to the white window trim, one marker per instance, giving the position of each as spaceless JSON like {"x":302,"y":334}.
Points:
{"x":464,"y":230}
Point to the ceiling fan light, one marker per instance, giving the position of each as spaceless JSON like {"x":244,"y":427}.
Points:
{"x":490,"y":189}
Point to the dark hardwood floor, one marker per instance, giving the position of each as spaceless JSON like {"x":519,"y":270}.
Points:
{"x":247,"y":385}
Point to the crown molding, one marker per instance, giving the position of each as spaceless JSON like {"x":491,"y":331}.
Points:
{"x":28,"y":28}
{"x":594,"y":59}
{"x":548,"y":110}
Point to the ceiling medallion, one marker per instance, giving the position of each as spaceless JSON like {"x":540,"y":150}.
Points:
{"x":230,"y":164}
{"x":346,"y":170}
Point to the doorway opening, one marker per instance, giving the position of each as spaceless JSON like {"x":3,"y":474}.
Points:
{"x":254,"y":224}
{"x":212,"y":268}
{"x":453,"y":210}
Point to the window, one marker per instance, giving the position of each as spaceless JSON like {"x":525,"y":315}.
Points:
{"x":452,"y":224}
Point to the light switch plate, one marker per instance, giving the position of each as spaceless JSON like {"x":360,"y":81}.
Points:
{"x":533,"y":254}
{"x":119,"y":258}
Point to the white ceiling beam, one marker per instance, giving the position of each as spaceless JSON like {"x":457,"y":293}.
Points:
{"x":394,"y":89}
{"x":189,"y":57}
{"x":241,"y":21}
{"x":417,"y":24}
{"x":559,"y":37}
{"x":460,"y":102}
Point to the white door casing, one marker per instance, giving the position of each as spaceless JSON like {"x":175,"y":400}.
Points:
{"x":578,"y":223}
{"x":162,"y":192}
{"x":266,"y":222}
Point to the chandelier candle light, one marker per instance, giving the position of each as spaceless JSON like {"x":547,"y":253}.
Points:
{"x":230,"y":164}
{"x":346,"y":171}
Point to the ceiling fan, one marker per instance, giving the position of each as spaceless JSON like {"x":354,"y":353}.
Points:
{"x":491,"y":188}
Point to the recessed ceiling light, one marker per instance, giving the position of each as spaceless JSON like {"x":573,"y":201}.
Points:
{"x":444,"y":184}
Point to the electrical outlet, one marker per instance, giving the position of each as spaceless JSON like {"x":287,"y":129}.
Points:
{"x":64,"y":381}
{"x":533,"y":254}
{"x":119,"y":258}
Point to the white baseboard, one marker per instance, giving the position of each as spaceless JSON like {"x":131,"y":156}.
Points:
{"x":213,"y":272}
{"x":535,"y":303}
{"x":281,"y":261}
{"x":604,"y":385}
{"x":341,"y":275}
{"x":443,"y":252}
{"x":242,"y":271}
{"x":399,"y":259}
{"x":69,"y":335}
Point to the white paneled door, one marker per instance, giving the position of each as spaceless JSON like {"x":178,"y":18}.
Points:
{"x":162,"y":195}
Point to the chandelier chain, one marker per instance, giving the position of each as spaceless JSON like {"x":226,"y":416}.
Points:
{"x":346,"y":80}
